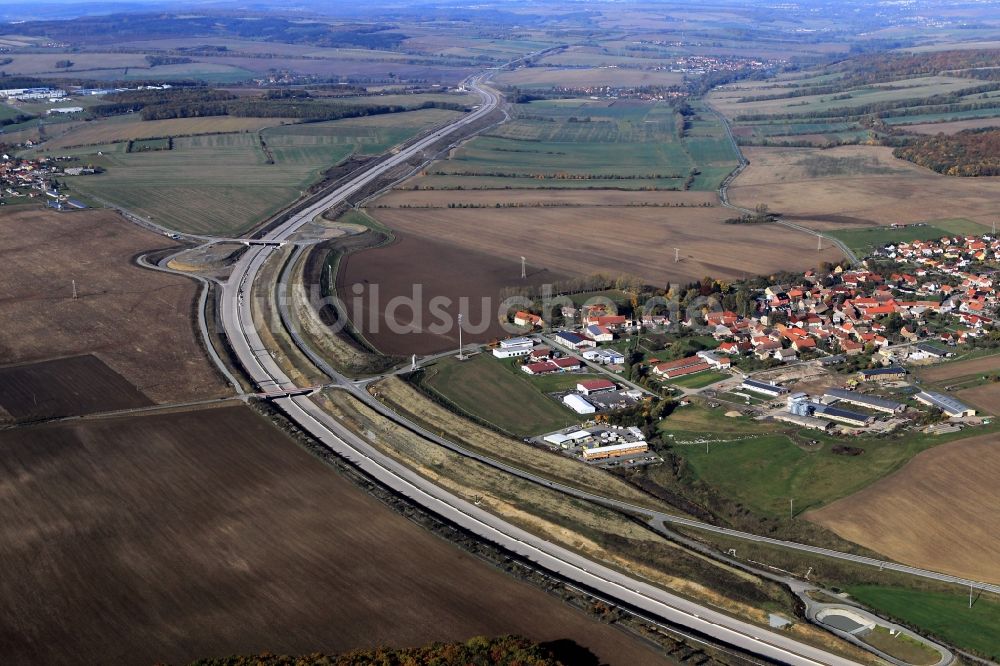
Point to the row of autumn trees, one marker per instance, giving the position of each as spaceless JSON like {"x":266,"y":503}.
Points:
{"x":479,"y":651}
{"x":968,"y":153}
{"x":193,"y":102}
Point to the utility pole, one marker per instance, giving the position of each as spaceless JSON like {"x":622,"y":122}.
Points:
{"x":791,"y":508}
{"x":970,"y":595}
{"x":461,"y":357}
{"x":819,"y":242}
{"x":677,"y":254}
{"x":75,"y":295}
{"x":524,"y":269}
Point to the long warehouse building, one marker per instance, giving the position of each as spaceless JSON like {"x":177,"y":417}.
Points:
{"x":945,"y":403}
{"x":864,"y":400}
{"x":615,"y":450}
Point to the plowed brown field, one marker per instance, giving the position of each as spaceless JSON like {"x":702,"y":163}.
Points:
{"x":169,"y":537}
{"x":421,"y":269}
{"x":616,"y":241}
{"x":940,"y":511}
{"x":137,"y":321}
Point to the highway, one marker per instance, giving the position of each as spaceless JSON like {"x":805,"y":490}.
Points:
{"x":256,"y":360}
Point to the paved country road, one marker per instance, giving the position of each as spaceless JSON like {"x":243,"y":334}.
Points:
{"x":260,"y":366}
{"x":744,"y":163}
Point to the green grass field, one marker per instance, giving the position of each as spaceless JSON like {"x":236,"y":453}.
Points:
{"x":864,"y":241}
{"x":765,"y":471}
{"x":574,"y":143}
{"x":497,"y":392}
{"x":223,"y":184}
{"x":9,"y":112}
{"x":947,"y":616}
{"x":700,"y":380}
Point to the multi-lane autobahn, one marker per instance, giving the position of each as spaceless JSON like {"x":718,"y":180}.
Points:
{"x":257,"y":362}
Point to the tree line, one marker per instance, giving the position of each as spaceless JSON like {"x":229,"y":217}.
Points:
{"x":970,"y":153}
{"x":198,"y":102}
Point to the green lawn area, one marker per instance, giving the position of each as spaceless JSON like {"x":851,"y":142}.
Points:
{"x":864,"y":241}
{"x":9,"y":112}
{"x":495,"y":391}
{"x":223,"y":183}
{"x":947,"y":616}
{"x":699,"y":380}
{"x":902,"y":647}
{"x":764,"y":472}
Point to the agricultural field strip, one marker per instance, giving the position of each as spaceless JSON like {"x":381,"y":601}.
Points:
{"x":238,"y":322}
{"x":229,"y":174}
{"x":743,"y":164}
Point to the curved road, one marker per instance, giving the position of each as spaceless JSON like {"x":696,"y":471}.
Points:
{"x":744,"y":163}
{"x":259,"y":365}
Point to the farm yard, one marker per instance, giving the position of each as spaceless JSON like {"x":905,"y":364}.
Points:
{"x":43,"y":252}
{"x":858,"y":186}
{"x":915,"y":514}
{"x":599,"y":244}
{"x":258,"y":538}
{"x":226,"y":183}
{"x":972,"y":380}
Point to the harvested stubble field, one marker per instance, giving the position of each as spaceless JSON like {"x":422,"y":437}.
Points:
{"x":223,"y":183}
{"x":64,"y":387}
{"x":951,"y":127}
{"x":427,"y":267}
{"x":136,"y":321}
{"x":985,"y":397}
{"x":864,"y":185}
{"x":954,"y":370}
{"x":587,"y":77}
{"x":405,"y":198}
{"x":940,"y":511}
{"x":577,"y":241}
{"x":138,"y":529}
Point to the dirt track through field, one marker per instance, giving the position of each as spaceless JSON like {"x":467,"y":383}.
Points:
{"x":940,"y":511}
{"x":169,"y":537}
